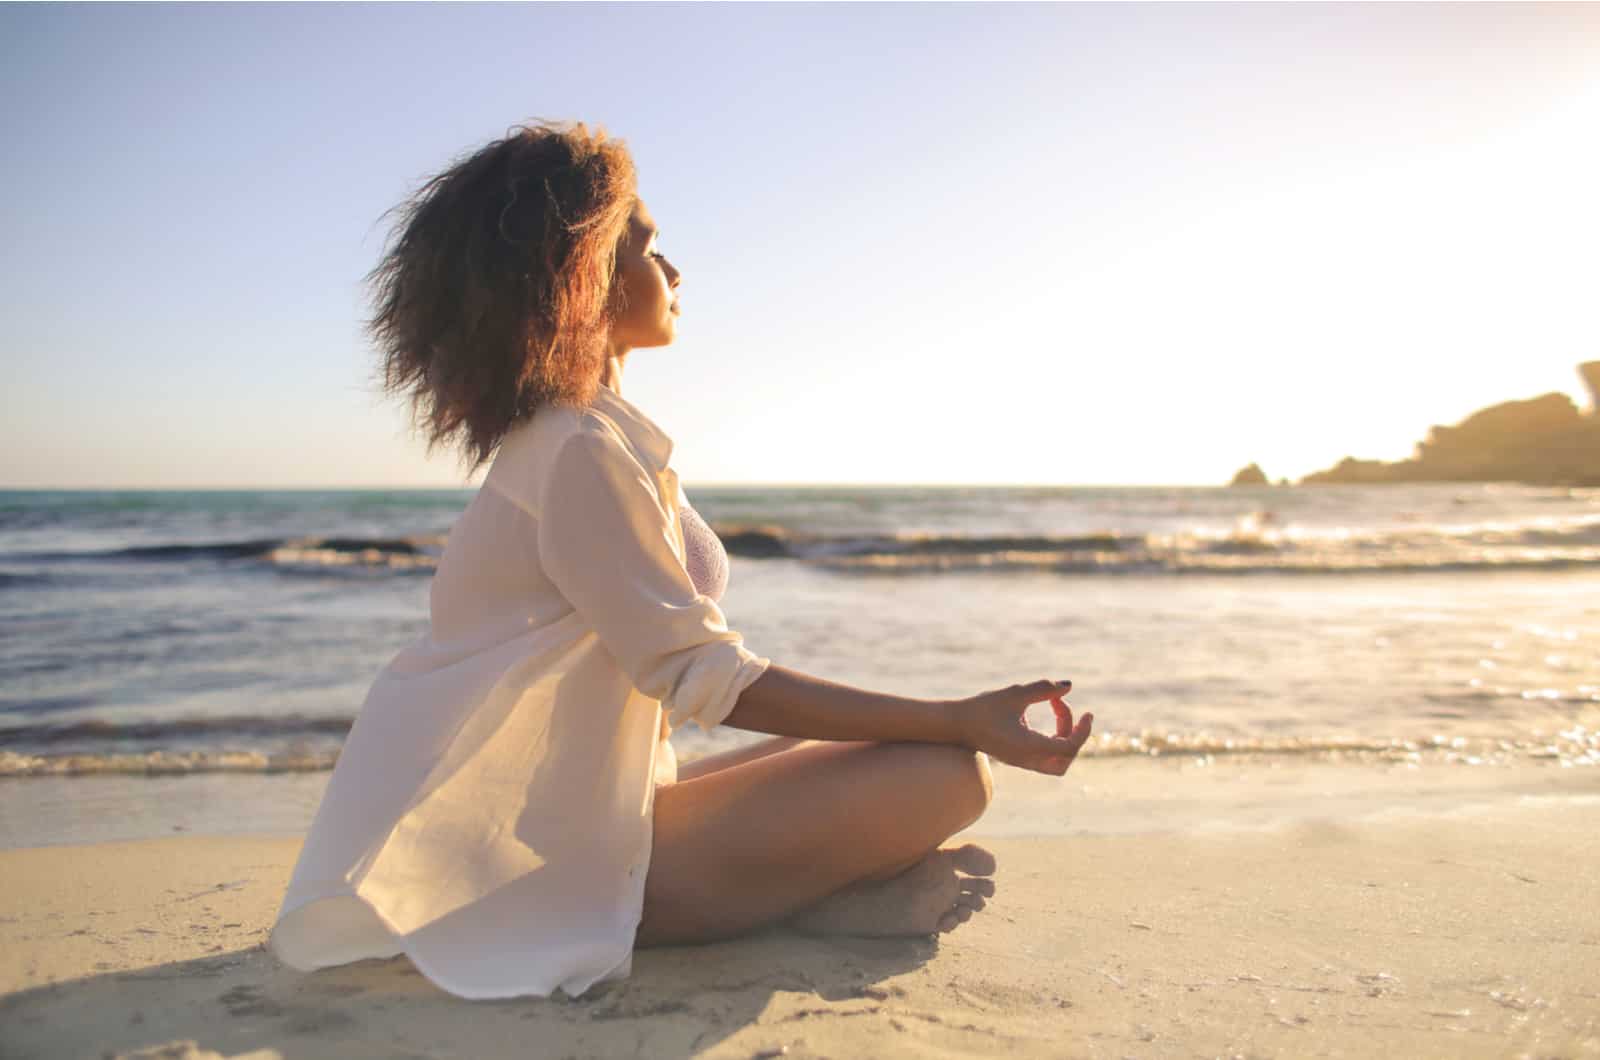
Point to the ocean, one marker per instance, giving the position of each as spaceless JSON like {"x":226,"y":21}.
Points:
{"x":224,"y":636}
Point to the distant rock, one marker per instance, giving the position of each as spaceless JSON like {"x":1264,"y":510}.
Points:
{"x":1250,"y":476}
{"x":1542,"y":441}
{"x":1359,"y":472}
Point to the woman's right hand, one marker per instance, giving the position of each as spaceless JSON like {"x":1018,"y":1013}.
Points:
{"x":992,"y":722}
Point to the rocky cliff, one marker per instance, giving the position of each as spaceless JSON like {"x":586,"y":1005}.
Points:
{"x":1542,"y":441}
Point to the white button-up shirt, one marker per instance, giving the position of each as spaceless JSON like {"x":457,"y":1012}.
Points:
{"x":490,"y":812}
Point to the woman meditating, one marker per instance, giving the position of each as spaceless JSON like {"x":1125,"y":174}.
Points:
{"x":507,"y":809}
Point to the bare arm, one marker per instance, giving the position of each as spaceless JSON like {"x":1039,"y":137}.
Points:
{"x":786,"y":702}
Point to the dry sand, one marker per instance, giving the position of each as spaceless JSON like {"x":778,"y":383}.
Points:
{"x":1470,"y":933}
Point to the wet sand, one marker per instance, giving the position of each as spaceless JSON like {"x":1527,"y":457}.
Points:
{"x":1464,"y":926}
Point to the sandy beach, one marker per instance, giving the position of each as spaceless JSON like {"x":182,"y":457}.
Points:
{"x":1460,"y":927}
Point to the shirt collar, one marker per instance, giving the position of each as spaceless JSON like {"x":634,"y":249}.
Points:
{"x":641,"y":430}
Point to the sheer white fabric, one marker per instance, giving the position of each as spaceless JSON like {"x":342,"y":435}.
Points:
{"x":490,"y":813}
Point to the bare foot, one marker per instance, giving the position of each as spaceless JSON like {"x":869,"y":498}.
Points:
{"x":938,"y":893}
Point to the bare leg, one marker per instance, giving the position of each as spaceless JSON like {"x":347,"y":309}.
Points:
{"x":758,"y":842}
{"x":728,"y":759}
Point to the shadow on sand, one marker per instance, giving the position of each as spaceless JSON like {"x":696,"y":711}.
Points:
{"x":679,"y":1001}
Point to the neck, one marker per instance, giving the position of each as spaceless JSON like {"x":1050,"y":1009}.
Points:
{"x":611,"y":374}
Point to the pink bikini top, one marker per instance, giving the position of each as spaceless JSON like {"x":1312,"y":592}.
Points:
{"x":703,"y":553}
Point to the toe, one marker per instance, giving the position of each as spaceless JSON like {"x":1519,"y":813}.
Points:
{"x":978,"y":885}
{"x":955,"y":918}
{"x":973,"y":860}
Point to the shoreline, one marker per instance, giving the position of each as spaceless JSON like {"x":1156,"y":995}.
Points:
{"x":1102,"y":795}
{"x":1463,"y":927}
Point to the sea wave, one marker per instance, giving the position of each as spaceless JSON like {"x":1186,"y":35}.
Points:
{"x":1573,"y":746}
{"x":1252,"y":547}
{"x":1178,"y":562}
{"x":164,"y":763}
{"x":250,"y":726}
{"x":1576,"y":746}
{"x":385,"y":554}
{"x":27,"y":579}
{"x":1254,"y":544}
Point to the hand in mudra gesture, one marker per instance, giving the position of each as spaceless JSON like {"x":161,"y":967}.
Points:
{"x":992,"y":722}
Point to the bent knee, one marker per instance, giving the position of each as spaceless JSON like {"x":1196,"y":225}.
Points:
{"x":978,"y":780}
{"x":969,"y":785}
{"x":985,"y":779}
{"x":958,"y":777}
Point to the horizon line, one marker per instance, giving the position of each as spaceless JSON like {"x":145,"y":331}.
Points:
{"x":687,"y":483}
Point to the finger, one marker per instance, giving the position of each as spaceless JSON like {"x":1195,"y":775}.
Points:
{"x":1055,"y":754}
{"x":1037,"y":691}
{"x":1047,"y":754}
{"x":1079,"y":737}
{"x":1063,"y":711}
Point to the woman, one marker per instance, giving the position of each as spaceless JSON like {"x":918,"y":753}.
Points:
{"x":507,"y":809}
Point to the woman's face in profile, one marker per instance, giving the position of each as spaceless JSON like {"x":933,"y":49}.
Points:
{"x":647,"y":281}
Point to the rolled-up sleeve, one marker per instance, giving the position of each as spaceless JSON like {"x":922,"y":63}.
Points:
{"x":607,"y":544}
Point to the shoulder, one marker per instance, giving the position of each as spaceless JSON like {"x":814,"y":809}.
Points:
{"x":530,"y":450}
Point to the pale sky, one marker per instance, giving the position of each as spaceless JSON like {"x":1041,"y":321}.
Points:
{"x":1096,"y":244}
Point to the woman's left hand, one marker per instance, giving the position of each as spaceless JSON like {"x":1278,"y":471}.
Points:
{"x":993,"y":722}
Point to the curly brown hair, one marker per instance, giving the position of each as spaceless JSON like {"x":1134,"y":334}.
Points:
{"x":494,"y":293}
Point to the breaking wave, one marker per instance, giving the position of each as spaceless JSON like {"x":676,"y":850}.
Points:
{"x":1253,"y":545}
{"x":1576,"y":746}
{"x":380,"y":554}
